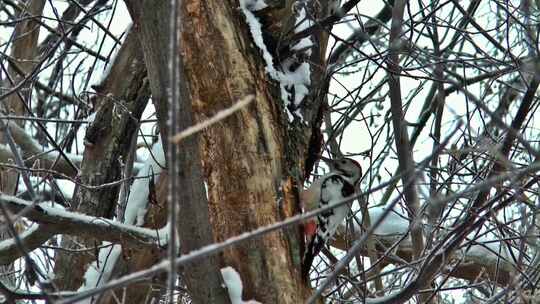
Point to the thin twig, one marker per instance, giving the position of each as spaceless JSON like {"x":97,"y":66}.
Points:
{"x":177,"y":138}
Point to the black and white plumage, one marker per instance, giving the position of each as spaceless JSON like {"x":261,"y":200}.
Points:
{"x":333,"y":187}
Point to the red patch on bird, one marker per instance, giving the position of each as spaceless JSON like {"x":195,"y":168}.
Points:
{"x":310,"y":228}
{"x":358,"y":164}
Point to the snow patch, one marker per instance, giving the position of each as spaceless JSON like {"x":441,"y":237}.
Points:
{"x":294,"y":81}
{"x":256,"y":32}
{"x":234,"y":286}
{"x":395,"y":223}
{"x":138,"y":197}
{"x":100,"y":271}
{"x":488,"y":246}
{"x":253,"y":5}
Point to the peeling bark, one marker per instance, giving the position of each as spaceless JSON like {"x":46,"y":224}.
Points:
{"x":253,"y":160}
{"x":243,"y":156}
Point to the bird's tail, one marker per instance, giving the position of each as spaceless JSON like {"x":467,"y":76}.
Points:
{"x":315,"y":246}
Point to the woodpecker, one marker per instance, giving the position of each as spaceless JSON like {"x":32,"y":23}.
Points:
{"x":333,"y":187}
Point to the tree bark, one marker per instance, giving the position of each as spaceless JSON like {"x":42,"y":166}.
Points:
{"x":24,"y":53}
{"x":243,"y":156}
{"x":123,"y":97}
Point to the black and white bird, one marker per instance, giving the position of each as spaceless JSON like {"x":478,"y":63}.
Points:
{"x":331,"y":188}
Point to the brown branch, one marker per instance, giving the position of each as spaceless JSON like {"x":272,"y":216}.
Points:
{"x":470,"y":267}
{"x":186,"y":183}
{"x":54,"y":221}
{"x":404,"y":153}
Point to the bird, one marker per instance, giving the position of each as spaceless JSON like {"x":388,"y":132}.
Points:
{"x":333,"y":187}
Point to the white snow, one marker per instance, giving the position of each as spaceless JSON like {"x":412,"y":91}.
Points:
{"x":488,"y":246}
{"x":138,"y":198}
{"x":5,"y":244}
{"x":303,"y":44}
{"x":395,"y":223}
{"x":297,"y":81}
{"x":233,"y":282}
{"x":254,"y":5}
{"x":51,"y":204}
{"x":92,"y":220}
{"x":303,"y":23}
{"x":99,"y":272}
{"x":256,"y":33}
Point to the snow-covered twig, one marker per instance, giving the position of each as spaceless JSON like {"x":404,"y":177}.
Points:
{"x":65,"y":222}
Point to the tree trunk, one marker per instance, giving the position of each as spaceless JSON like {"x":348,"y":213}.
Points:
{"x":24,"y":54}
{"x":244,"y":156}
{"x":122,"y":98}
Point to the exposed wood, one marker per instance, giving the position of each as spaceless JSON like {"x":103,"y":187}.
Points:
{"x":188,"y":208}
{"x":242,"y":155}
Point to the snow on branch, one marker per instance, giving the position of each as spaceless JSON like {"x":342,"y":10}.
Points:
{"x":99,"y":272}
{"x":293,"y":73}
{"x":66,"y":222}
{"x":486,"y":253}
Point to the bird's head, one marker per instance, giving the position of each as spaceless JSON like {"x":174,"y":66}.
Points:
{"x":347,"y":167}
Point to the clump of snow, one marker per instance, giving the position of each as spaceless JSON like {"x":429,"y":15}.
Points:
{"x":298,"y":82}
{"x":395,"y":223}
{"x":302,"y":24}
{"x":256,"y":32}
{"x":234,"y":286}
{"x":138,"y":198}
{"x":100,"y":271}
{"x":300,"y":79}
{"x":488,"y":246}
{"x":233,"y":282}
{"x":51,"y":204}
{"x":294,"y":83}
